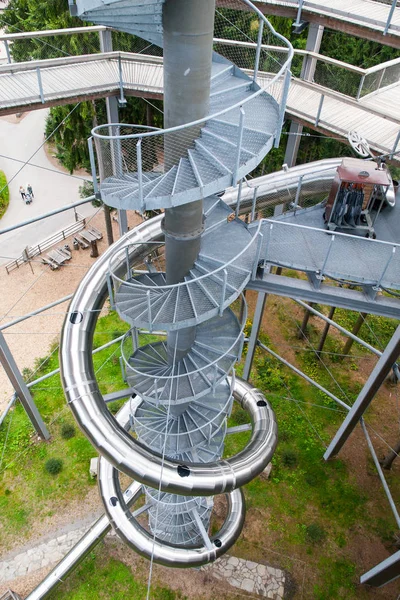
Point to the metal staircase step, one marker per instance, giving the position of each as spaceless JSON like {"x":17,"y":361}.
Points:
{"x":216,"y":139}
{"x":220,"y":71}
{"x":155,"y":380}
{"x":228,"y":86}
{"x":185,"y":177}
{"x":219,"y":214}
{"x":252,"y":140}
{"x":164,"y":186}
{"x":209,"y":165}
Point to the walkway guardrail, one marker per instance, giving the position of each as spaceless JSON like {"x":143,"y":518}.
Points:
{"x":325,"y":253}
{"x":385,"y":22}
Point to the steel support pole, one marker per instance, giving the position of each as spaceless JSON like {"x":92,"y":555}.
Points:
{"x":188,"y":41}
{"x":303,"y":329}
{"x":19,"y":385}
{"x":326,"y":330}
{"x":313,"y":44}
{"x":255,"y":329}
{"x":375,"y":380}
{"x":386,"y":571}
{"x":355,"y":330}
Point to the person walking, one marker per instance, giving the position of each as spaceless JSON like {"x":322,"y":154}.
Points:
{"x":22,"y":192}
{"x":30,"y":190}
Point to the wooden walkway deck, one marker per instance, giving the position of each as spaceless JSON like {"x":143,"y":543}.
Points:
{"x":368,"y":16}
{"x":376,"y":117}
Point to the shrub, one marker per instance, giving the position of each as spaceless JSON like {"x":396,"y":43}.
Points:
{"x":315,"y":533}
{"x":54,"y":466}
{"x":67,"y":431}
{"x":289,"y":458}
{"x":4,"y":194}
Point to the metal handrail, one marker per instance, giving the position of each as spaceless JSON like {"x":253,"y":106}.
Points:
{"x":284,"y":69}
{"x":171,"y":286}
{"x":207,"y":366}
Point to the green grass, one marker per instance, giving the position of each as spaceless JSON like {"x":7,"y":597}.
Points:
{"x":103,"y":578}
{"x":4,"y":194}
{"x":27,"y":491}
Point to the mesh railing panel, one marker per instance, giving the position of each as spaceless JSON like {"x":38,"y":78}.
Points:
{"x":347,"y":257}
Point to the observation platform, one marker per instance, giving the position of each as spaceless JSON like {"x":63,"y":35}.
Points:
{"x":37,"y":84}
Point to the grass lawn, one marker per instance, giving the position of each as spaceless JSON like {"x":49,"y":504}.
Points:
{"x":4,"y":194}
{"x":312,"y":518}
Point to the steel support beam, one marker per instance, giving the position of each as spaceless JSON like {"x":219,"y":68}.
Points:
{"x":388,"y":570}
{"x":375,"y":380}
{"x":255,"y":329}
{"x":19,"y":385}
{"x":327,"y":295}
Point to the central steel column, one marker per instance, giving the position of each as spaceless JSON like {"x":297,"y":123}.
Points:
{"x":188,"y":39}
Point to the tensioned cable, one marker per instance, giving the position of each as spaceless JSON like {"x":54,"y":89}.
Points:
{"x":46,"y":168}
{"x":320,"y":359}
{"x":381,"y":438}
{"x":161,"y":475}
{"x":303,"y":412}
{"x":331,"y":408}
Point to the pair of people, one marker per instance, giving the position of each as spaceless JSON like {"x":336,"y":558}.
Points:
{"x":27,"y":195}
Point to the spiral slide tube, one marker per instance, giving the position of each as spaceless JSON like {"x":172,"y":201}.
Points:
{"x":184,"y":387}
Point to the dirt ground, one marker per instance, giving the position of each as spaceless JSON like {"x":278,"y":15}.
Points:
{"x":35,"y":285}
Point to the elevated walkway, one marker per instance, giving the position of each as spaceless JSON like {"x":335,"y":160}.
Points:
{"x":368,"y":19}
{"x":64,"y":80}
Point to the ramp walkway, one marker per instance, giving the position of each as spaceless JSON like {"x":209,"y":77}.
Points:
{"x":36,"y":84}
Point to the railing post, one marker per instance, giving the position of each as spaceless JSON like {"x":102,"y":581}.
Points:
{"x":360,"y":87}
{"x":128,"y":266}
{"x":239,"y":198}
{"x":317,"y":118}
{"x":110,"y":291}
{"x":258,"y":51}
{"x":320,"y":275}
{"x":296,"y":200}
{"x":223,"y":292}
{"x":257,"y":257}
{"x":382,"y":75}
{"x":253,"y":205}
{"x":40,"y":84}
{"x":93,"y":168}
{"x":298,"y":17}
{"x":286,"y":85}
{"x":397,"y":140}
{"x":389,"y":260}
{"x":140,"y":173}
{"x":7,"y":47}
{"x":239,"y":147}
{"x":121,"y":99}
{"x":390,"y":15}
{"x":149,"y":310}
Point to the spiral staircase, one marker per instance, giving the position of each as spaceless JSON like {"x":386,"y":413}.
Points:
{"x":181,"y":406}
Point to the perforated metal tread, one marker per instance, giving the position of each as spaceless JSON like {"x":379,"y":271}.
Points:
{"x":200,"y":421}
{"x":213,"y":354}
{"x":145,"y":301}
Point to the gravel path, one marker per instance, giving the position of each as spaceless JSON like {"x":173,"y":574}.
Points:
{"x":24,"y":291}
